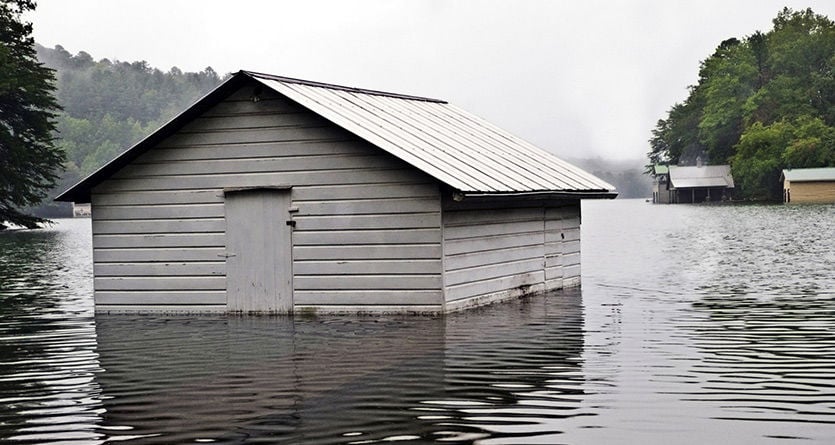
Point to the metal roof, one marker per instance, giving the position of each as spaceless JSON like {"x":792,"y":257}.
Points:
{"x":451,"y":145}
{"x":457,"y":148}
{"x":704,"y":176}
{"x":809,"y":174}
{"x":660,"y":169}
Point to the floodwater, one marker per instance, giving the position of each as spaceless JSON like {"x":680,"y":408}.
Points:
{"x":695,"y":324}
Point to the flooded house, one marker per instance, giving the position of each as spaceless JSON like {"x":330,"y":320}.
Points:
{"x":809,"y":185}
{"x":678,"y":184}
{"x":280,"y":195}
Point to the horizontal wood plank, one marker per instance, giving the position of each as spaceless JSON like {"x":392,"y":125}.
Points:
{"x":460,"y":246}
{"x":349,"y":237}
{"x":571,"y":272}
{"x":495,"y":285}
{"x":367,"y":282}
{"x":244,"y":105}
{"x":260,"y":165}
{"x":160,"y":240}
{"x":400,"y":189}
{"x":271,"y":179}
{"x":364,"y":297}
{"x":488,"y":272}
{"x":369,"y":206}
{"x":571,"y":259}
{"x":160,"y":297}
{"x":160,"y":283}
{"x":404,"y":251}
{"x":159,"y":226}
{"x":367,"y":267}
{"x":471,"y":218}
{"x":402,"y":221}
{"x":157,"y":255}
{"x":167,"y":211}
{"x":254,"y":151}
{"x":488,"y":257}
{"x":208,"y":123}
{"x":258,"y":135}
{"x":159,"y":269}
{"x":481,"y":230}
{"x":554,"y":273}
{"x":162,"y":197}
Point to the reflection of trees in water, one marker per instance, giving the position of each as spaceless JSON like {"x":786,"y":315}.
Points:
{"x":340,"y":379}
{"x":48,"y":354}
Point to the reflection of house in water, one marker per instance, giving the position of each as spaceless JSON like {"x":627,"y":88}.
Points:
{"x":809,"y":185}
{"x":691,"y":184}
{"x":327,"y":380}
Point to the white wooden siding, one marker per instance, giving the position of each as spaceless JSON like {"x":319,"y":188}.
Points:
{"x":367,"y":226}
{"x":562,"y":245}
{"x":490,"y":249}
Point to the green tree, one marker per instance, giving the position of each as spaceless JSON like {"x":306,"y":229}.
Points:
{"x":763,"y":103}
{"x":757,"y":163}
{"x":29,"y":160}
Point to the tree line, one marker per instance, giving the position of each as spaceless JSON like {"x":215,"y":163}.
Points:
{"x":762,"y":104}
{"x":107,"y":106}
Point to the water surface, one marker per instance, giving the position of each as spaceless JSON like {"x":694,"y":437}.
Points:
{"x":695,"y":324}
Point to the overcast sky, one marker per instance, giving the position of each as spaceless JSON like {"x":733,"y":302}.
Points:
{"x":579,"y":78}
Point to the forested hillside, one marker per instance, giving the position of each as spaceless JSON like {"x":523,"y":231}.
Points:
{"x":626,"y":175}
{"x":763,"y":103}
{"x":110,"y":105}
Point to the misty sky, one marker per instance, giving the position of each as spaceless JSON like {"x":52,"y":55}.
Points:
{"x":579,"y":78}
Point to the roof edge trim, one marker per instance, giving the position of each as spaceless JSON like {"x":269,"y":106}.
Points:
{"x":586,"y":194}
{"x":340,"y":87}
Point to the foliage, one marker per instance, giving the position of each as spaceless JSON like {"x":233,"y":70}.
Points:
{"x":762,"y":104}
{"x":110,"y":105}
{"x":29,"y":160}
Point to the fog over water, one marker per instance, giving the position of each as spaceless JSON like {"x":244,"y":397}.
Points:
{"x":695,"y":324}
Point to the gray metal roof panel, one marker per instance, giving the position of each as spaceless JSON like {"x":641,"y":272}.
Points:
{"x":704,"y":176}
{"x":455,"y":147}
{"x":810,"y":174}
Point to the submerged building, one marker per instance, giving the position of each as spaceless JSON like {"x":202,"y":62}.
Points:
{"x":809,"y":185}
{"x":692,"y":184}
{"x":280,"y":195}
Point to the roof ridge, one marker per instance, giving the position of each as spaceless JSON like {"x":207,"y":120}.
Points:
{"x":340,"y":87}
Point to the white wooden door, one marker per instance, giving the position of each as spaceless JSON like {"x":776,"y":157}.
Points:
{"x":258,"y":251}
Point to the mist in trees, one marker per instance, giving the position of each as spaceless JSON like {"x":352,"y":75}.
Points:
{"x":626,"y":175}
{"x":762,"y":103}
{"x":110,"y":105}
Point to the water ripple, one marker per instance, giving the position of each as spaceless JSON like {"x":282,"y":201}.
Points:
{"x":696,"y":324}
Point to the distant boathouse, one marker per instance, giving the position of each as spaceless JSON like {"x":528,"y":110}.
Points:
{"x":691,"y":184}
{"x":280,"y":195}
{"x":809,"y":185}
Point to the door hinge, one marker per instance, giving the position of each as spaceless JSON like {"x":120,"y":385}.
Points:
{"x":291,"y":223}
